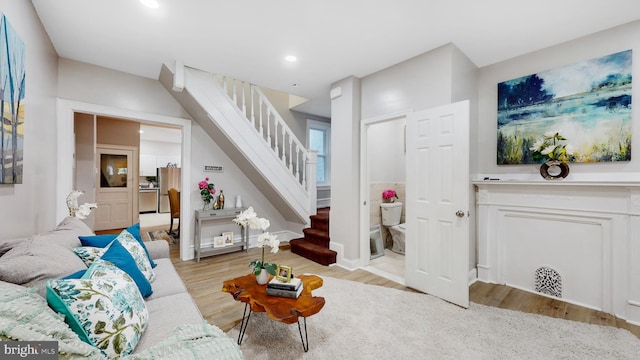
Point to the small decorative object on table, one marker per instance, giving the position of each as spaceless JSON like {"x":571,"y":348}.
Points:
{"x":218,"y":242}
{"x":221,"y":200}
{"x":261,"y":269}
{"x":228,"y":238}
{"x":79,"y":211}
{"x":556,"y":151}
{"x":207,"y":190}
{"x":284,"y":273}
{"x":389,"y":195}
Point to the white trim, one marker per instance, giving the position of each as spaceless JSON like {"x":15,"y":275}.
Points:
{"x":66,"y":153}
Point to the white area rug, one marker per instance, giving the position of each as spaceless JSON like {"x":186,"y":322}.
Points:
{"x":362,"y":321}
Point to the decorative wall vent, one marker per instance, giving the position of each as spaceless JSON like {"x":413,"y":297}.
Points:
{"x":548,"y":281}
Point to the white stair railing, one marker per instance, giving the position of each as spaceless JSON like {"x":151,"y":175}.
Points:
{"x":264,"y":118}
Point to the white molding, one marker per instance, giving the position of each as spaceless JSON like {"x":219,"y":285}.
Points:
{"x":585,"y":230}
{"x":66,"y":152}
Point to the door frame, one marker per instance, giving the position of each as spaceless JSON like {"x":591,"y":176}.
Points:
{"x":66,"y":155}
{"x":364,"y":179}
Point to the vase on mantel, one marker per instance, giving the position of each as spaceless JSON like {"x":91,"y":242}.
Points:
{"x":263,"y":277}
{"x":554,"y":170}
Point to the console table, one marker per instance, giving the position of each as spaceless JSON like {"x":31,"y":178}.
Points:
{"x":213,"y":215}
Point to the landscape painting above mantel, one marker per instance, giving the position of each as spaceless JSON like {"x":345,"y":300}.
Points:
{"x":588,"y":102}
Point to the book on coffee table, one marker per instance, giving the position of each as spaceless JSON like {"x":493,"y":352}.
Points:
{"x":292,"y":294}
{"x":294,"y":284}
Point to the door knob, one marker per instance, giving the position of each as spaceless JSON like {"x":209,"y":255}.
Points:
{"x":459,"y":213}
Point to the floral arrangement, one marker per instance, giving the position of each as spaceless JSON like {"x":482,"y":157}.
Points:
{"x":207,"y":190}
{"x":389,"y":194}
{"x":249,"y":218}
{"x":79,"y":211}
{"x":552,"y":145}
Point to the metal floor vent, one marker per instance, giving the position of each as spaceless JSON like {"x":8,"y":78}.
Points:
{"x":548,"y":281}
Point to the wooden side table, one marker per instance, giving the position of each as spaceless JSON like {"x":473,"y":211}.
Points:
{"x":245,"y":289}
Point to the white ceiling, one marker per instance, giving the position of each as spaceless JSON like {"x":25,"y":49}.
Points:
{"x":332,"y":39}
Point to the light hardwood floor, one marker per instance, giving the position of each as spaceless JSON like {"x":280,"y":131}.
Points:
{"x":204,"y":283}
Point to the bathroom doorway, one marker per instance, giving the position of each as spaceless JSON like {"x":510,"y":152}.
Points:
{"x":382,"y":168}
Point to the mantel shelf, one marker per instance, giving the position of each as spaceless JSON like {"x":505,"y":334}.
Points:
{"x":557,"y":183}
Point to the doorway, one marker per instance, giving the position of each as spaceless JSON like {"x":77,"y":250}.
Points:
{"x":66,"y":161}
{"x":382,"y":168}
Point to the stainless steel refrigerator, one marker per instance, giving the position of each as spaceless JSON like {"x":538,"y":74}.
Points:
{"x":168,"y":177}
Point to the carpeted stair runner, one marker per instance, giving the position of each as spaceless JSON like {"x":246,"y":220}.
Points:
{"x":315,"y":243}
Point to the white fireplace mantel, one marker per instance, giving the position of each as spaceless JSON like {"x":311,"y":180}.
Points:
{"x":587,"y":231}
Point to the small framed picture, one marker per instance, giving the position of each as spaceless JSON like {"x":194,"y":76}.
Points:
{"x":218,"y":241}
{"x":283,"y":273}
{"x":228,"y":238}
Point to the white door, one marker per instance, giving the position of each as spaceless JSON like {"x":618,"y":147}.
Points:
{"x":437,"y":243}
{"x":114,"y":184}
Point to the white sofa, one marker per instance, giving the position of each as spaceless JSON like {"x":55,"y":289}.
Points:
{"x":31,"y":262}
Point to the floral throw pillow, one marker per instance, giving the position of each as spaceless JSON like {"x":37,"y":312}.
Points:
{"x":104,"y":308}
{"x":138,"y":253}
{"x":89,"y":254}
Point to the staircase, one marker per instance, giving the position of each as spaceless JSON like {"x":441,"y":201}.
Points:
{"x":246,"y":126}
{"x":315,"y":243}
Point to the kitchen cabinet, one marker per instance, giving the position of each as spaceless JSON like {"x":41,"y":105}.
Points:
{"x":148,"y":200}
{"x":148,"y":165}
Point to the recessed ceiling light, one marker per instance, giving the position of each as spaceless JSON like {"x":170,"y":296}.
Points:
{"x":141,"y":131}
{"x":150,"y":3}
{"x":291,"y":58}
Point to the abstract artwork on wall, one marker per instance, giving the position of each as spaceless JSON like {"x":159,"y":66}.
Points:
{"x":588,"y":102}
{"x":12,"y":80}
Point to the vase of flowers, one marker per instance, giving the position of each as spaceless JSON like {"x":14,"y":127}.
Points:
{"x":207,"y":190}
{"x":79,"y":211}
{"x":389,"y":195}
{"x":555,"y":150}
{"x":248,"y":219}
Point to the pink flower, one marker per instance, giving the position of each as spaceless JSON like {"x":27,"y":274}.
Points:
{"x":388,"y":194}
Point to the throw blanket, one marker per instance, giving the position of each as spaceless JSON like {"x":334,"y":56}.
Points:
{"x":193,"y":341}
{"x":25,"y":315}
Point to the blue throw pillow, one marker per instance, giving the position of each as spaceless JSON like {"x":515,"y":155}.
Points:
{"x":97,"y":240}
{"x":119,"y":255}
{"x":75,"y":275}
{"x":106,"y":239}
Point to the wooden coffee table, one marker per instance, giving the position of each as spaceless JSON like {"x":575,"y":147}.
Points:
{"x":245,"y":289}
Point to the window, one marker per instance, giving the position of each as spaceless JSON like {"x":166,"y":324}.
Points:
{"x":319,"y":139}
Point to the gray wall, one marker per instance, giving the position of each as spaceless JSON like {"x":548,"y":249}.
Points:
{"x":603,"y":43}
{"x":29,"y":207}
{"x":98,"y":85}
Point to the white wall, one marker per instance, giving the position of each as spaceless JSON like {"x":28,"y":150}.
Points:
{"x":28,"y":208}
{"x":233,"y":181}
{"x":345,"y":172}
{"x":386,"y":152}
{"x":419,"y":83}
{"x":603,"y":43}
{"x":98,"y":85}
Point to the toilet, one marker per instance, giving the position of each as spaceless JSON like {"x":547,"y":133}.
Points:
{"x":391,"y":215}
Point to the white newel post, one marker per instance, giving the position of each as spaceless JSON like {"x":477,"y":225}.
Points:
{"x":311,"y":169}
